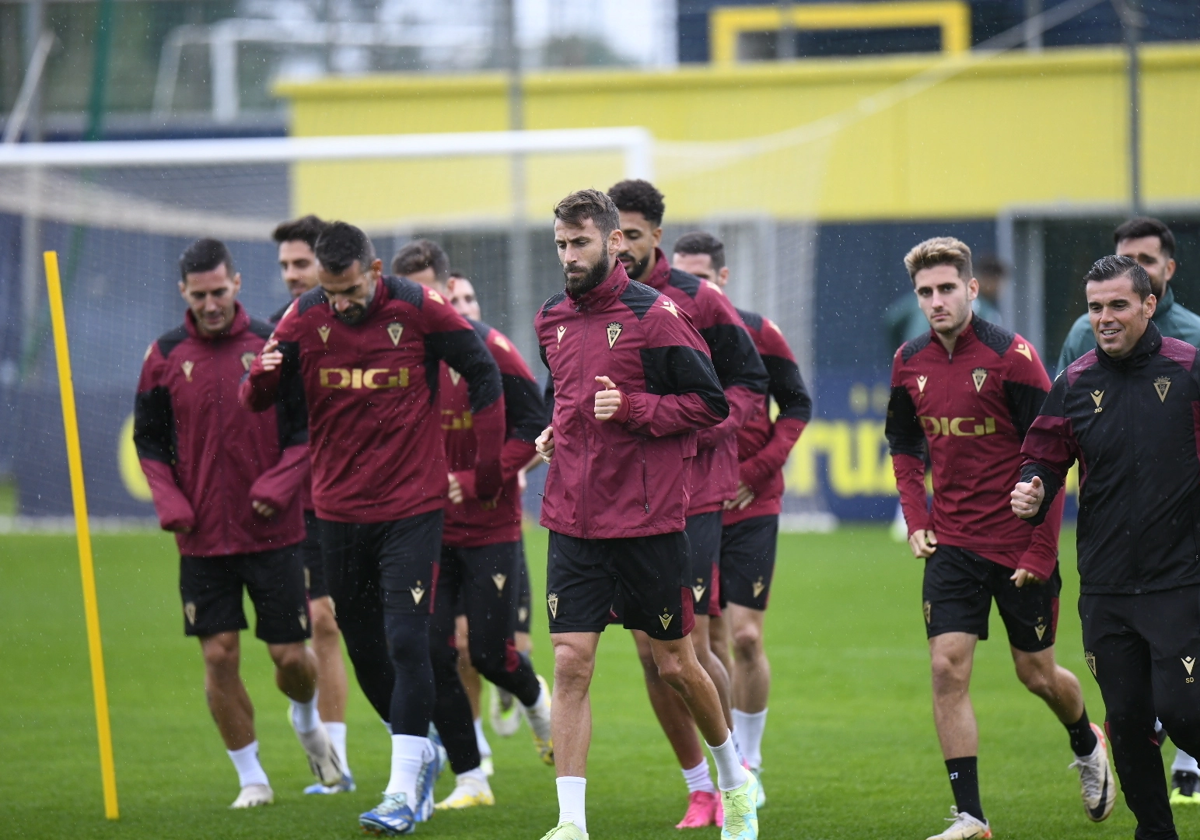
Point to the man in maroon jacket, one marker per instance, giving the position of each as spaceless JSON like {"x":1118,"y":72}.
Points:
{"x":298,"y":269}
{"x":715,"y":469}
{"x":632,"y":384}
{"x":482,"y":538}
{"x":970,"y":391}
{"x":228,"y":485}
{"x":750,"y":527}
{"x":366,"y":348}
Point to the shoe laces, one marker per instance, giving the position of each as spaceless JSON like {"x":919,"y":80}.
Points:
{"x":392,"y":802}
{"x":962,"y":818}
{"x":1090,"y":776}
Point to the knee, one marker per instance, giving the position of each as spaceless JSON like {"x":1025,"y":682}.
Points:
{"x":670,"y":669}
{"x":747,"y":642}
{"x":324,"y":623}
{"x":290,"y":657}
{"x":221,"y":654}
{"x":950,"y":675}
{"x":1039,"y":681}
{"x":572,"y":667}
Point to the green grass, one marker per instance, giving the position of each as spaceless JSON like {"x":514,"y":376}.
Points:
{"x":850,"y":749}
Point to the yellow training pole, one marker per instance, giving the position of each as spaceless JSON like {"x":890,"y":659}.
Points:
{"x":84,"y":536}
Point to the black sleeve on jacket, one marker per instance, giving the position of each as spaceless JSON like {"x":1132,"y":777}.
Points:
{"x":464,"y":351}
{"x":735,"y":358}
{"x":902,"y":429}
{"x":524,"y":411}
{"x":548,"y":391}
{"x":154,"y":426}
{"x":787,"y":387}
{"x":291,"y":407}
{"x":1024,"y":403}
{"x":678,"y":369}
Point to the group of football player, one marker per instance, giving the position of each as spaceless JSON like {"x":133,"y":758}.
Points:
{"x":356,"y":466}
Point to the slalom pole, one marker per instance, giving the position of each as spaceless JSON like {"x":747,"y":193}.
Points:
{"x":83,"y":534}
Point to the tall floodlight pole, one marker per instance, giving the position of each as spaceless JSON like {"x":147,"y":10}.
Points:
{"x":520,"y":283}
{"x":1131,"y":23}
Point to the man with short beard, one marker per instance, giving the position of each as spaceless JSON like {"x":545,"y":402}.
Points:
{"x":714,"y":478}
{"x":366,"y":348}
{"x":632,"y":384}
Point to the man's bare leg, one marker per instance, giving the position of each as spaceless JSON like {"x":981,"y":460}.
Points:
{"x":224,"y":690}
{"x":473,"y":685}
{"x":718,"y":639}
{"x":331,"y":674}
{"x":571,"y":721}
{"x":952,"y":656}
{"x":751,"y":680}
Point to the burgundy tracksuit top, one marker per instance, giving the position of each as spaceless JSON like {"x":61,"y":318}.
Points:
{"x":763,"y":446}
{"x":374,"y":434}
{"x":739,"y":369}
{"x":477,"y":523}
{"x":627,"y":476}
{"x":974,"y":408}
{"x":205,"y":457}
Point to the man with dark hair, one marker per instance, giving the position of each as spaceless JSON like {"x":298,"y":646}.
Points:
{"x":749,"y":528}
{"x":1152,"y":244}
{"x":969,"y":391}
{"x":481,"y":540}
{"x":632,"y":384}
{"x":714,"y":475}
{"x":1126,"y":411}
{"x":365,"y":347}
{"x":227,"y":484}
{"x":298,"y":269}
{"x":422,"y":258}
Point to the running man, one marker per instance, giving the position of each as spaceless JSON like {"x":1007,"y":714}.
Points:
{"x":298,"y":269}
{"x":228,"y":485}
{"x":970,"y":390}
{"x":632,"y":384}
{"x":365,"y":347}
{"x":750,"y":524}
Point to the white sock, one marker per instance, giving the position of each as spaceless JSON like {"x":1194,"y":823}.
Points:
{"x":698,"y":778}
{"x":408,"y":754}
{"x":485,"y":749}
{"x":749,"y":727}
{"x":245,"y":761}
{"x":571,"y":797}
{"x":1184,"y":763}
{"x":337,"y":734}
{"x":730,"y":773}
{"x":305,"y":716}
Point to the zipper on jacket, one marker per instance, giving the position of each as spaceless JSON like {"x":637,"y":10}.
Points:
{"x":586,"y":426}
{"x":645,"y":479}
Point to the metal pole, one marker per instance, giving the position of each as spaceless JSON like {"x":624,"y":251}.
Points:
{"x":1131,"y":23}
{"x":785,"y":45}
{"x":31,"y":226}
{"x":1033,"y":32}
{"x":520,"y":283}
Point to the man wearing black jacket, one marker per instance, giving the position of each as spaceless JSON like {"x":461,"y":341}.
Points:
{"x":1127,"y":411}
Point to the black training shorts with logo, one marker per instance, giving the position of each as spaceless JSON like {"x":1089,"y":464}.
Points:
{"x":314,"y":564}
{"x":748,"y":561}
{"x":211,"y":589}
{"x":648,"y":575}
{"x":524,"y":592}
{"x":704,"y":545}
{"x":958,"y":591}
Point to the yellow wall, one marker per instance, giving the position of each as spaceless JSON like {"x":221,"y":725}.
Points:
{"x":1014,"y":130}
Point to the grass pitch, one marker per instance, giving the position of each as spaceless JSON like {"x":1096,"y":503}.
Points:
{"x":850,"y":749}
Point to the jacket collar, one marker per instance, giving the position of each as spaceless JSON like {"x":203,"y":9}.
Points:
{"x":609,"y":289}
{"x":241,"y":321}
{"x":660,"y":275}
{"x":965,"y":338}
{"x":1149,"y":344}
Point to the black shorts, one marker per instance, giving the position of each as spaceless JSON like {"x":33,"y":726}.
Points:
{"x":748,"y":561}
{"x":648,"y":575}
{"x":524,"y":592}
{"x":399,"y":557}
{"x":211,"y":589}
{"x":1164,"y":627}
{"x":704,"y":540}
{"x":314,"y":565}
{"x":958,"y":591}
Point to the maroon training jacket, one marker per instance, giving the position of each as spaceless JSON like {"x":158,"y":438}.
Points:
{"x":627,"y":476}
{"x":974,"y":409}
{"x":371,"y":387}
{"x":763,"y":444}
{"x":475,"y":522}
{"x":739,"y":370}
{"x":205,"y":457}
